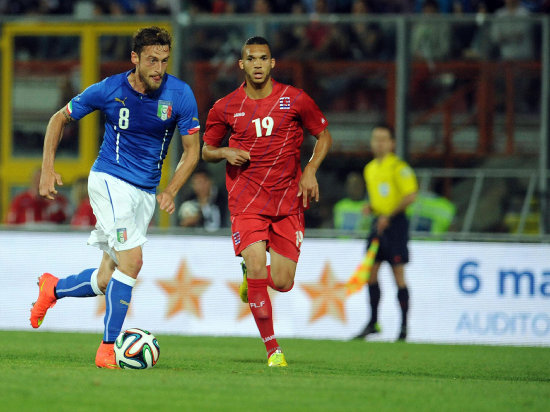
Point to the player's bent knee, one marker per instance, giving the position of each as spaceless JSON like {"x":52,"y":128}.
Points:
{"x":255,"y":267}
{"x":284,"y":283}
{"x":286,"y":286}
{"x":130,"y":262}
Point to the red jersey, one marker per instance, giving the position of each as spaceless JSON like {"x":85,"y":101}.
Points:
{"x":271,"y":130}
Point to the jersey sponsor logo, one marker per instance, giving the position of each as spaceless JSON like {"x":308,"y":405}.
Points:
{"x":164,"y":110}
{"x":236,"y":238}
{"x":284,"y":103}
{"x":121,"y":235}
{"x":240,"y":114}
{"x":121,"y":101}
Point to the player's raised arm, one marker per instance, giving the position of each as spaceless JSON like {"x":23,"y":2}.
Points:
{"x":308,"y":186}
{"x":186,"y":165}
{"x":234,"y":156}
{"x":54,"y":132}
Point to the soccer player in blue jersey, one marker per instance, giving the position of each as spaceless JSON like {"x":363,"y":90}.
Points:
{"x":142,"y":108}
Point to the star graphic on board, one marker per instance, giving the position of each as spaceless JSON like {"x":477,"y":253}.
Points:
{"x":244,"y":309}
{"x":328,"y":296}
{"x":184,"y":292}
{"x":100,"y":311}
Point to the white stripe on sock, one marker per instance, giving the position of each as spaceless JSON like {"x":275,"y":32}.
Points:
{"x":93,"y":283}
{"x":73,"y":288}
{"x":121,"y":277}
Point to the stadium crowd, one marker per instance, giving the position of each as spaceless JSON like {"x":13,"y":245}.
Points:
{"x":314,"y":41}
{"x":118,"y":7}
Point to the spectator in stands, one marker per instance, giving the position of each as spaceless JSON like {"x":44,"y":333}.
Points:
{"x":366,"y":40}
{"x":29,"y":207}
{"x":448,"y":6}
{"x":34,"y":7}
{"x":290,"y":42}
{"x":206,"y":207}
{"x":84,"y":214}
{"x":223,"y":7}
{"x":480,"y":46}
{"x":431,"y":213}
{"x":261,"y":7}
{"x":320,"y":37}
{"x":391,"y":6}
{"x":283,"y":6}
{"x":514,"y":34}
{"x":431,"y":40}
{"x":431,"y":43}
{"x":349,"y":212}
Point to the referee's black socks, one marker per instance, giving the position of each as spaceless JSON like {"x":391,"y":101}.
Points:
{"x":374,"y":296}
{"x":403,"y":298}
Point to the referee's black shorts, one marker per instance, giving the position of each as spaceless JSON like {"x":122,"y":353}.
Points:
{"x":393,"y":241}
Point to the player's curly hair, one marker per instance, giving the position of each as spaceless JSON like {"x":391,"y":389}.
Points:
{"x":150,"y":36}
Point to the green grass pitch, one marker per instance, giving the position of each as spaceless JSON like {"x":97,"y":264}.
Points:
{"x":44,"y":371}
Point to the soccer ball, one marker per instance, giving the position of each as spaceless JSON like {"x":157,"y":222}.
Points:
{"x":136,"y":349}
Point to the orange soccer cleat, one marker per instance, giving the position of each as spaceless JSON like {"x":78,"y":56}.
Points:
{"x":105,"y":356}
{"x":46,"y":299}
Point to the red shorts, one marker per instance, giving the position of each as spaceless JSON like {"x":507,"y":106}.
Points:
{"x":283,"y":234}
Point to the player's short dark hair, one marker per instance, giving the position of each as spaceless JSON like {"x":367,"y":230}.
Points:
{"x":150,"y":36}
{"x":256,"y":40}
{"x":387,"y":127}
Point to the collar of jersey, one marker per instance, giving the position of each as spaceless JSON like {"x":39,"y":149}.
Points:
{"x":155,"y":94}
{"x":390,"y":157}
{"x":243,"y":89}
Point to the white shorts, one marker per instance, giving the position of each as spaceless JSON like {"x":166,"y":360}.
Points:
{"x":123,"y":213}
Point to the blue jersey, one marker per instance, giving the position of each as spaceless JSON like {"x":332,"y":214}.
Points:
{"x":138,"y":127}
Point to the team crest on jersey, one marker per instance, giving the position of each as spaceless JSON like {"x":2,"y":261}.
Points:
{"x":237,"y":238}
{"x":164,"y":110}
{"x":284,"y":103}
{"x":121,"y":235}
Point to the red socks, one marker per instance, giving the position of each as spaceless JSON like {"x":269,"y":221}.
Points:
{"x":272,"y":285}
{"x":260,"y":306}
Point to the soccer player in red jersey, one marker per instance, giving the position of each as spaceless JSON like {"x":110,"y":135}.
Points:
{"x":267,"y":191}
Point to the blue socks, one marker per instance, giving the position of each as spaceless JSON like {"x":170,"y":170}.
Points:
{"x":117,"y":300}
{"x":117,"y":296}
{"x":78,"y":286}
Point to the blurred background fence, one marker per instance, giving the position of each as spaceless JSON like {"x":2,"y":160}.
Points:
{"x":468,"y":96}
